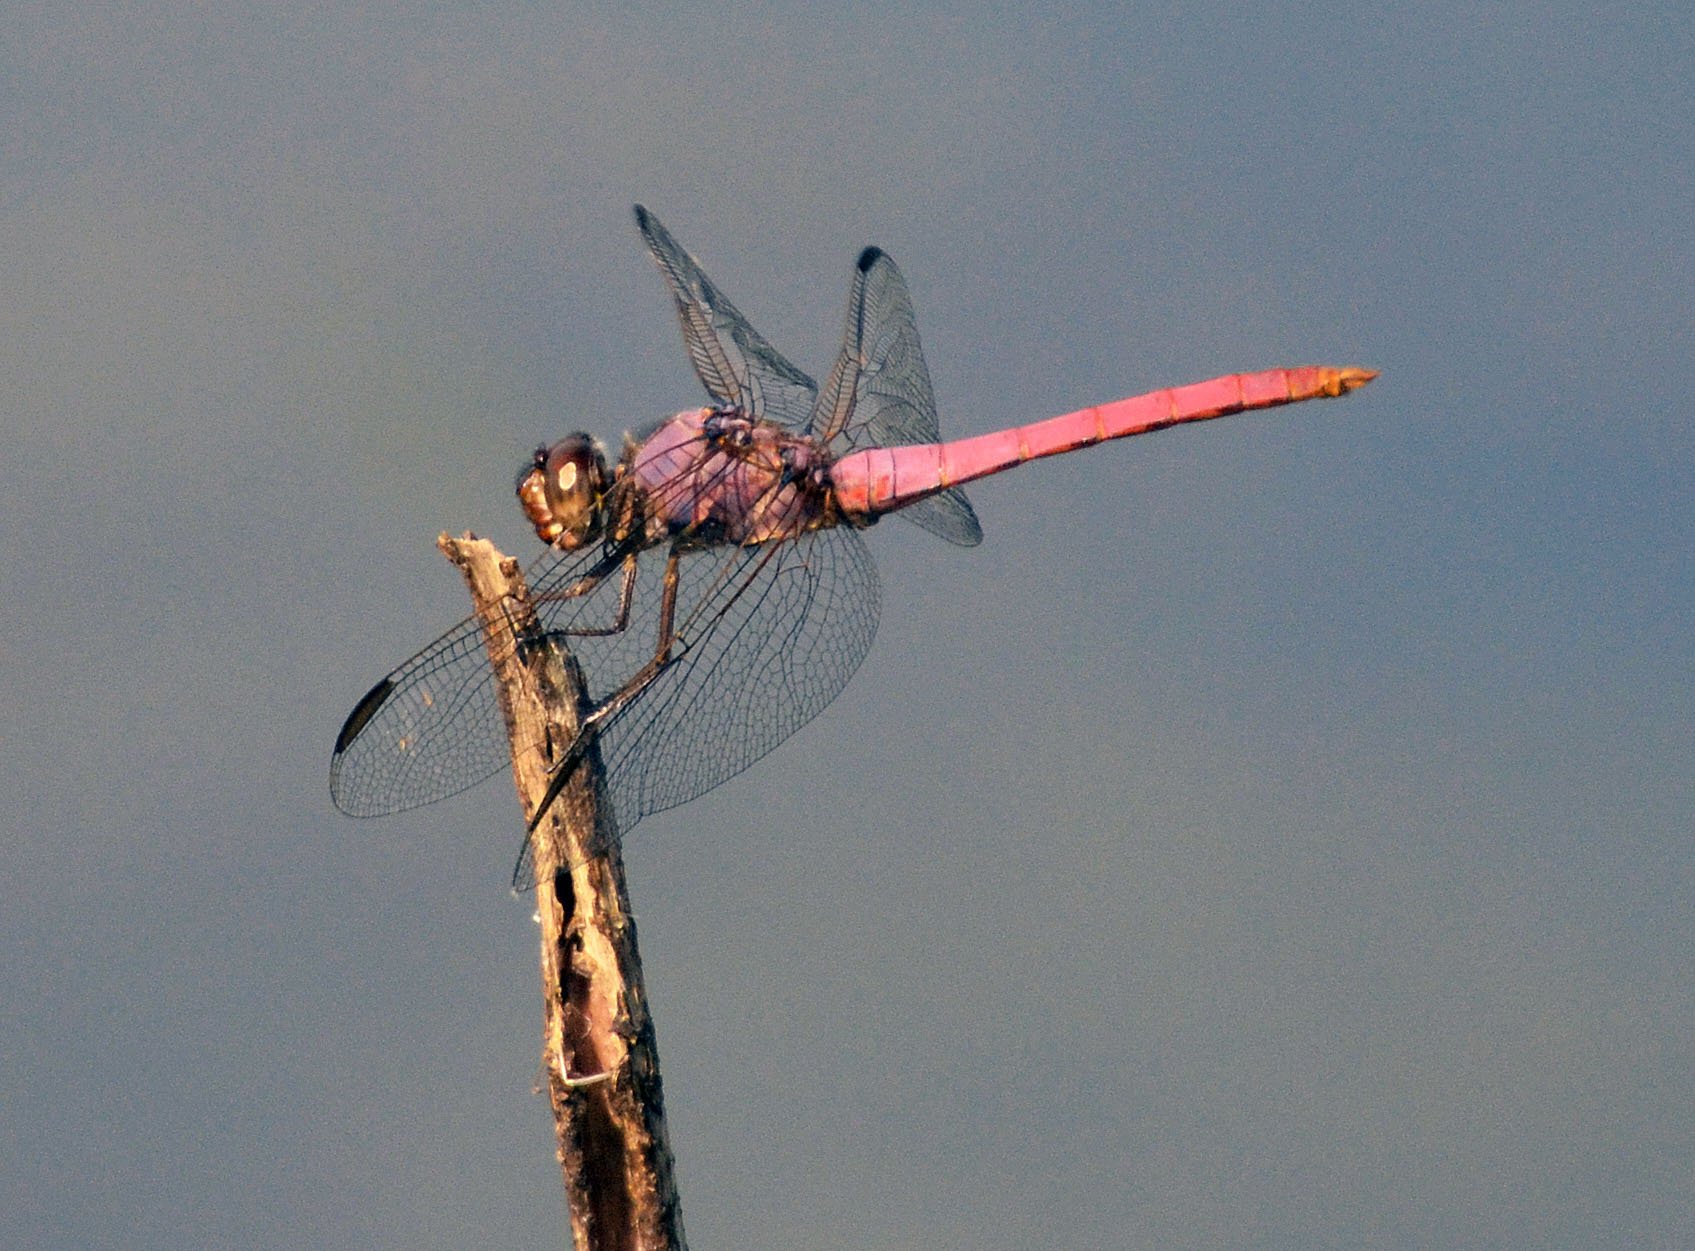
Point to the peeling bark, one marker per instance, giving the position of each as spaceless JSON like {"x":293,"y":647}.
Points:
{"x":598,"y":1047}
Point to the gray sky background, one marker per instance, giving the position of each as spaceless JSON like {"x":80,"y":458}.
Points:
{"x":1276,"y":835}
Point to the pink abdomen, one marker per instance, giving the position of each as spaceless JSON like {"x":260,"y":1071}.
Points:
{"x":878,"y":480}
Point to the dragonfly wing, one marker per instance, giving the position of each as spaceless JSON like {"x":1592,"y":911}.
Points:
{"x":947,"y":515}
{"x":428,"y":730}
{"x":433,"y":727}
{"x":768,"y":636}
{"x":734,"y":361}
{"x":878,"y":393}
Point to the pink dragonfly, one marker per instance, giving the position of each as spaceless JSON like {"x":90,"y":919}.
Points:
{"x":713,"y":585}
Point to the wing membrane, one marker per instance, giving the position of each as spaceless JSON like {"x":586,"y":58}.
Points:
{"x":768,"y":636}
{"x":771,"y":638}
{"x":733,"y":360}
{"x":433,"y":727}
{"x":878,"y":393}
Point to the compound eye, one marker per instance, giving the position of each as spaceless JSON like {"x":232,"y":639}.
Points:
{"x":570,"y":473}
{"x":561,"y":492}
{"x":566,"y":477}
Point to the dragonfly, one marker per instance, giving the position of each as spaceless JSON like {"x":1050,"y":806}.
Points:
{"x":713,"y":584}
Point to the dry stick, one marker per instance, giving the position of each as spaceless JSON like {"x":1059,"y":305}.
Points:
{"x":597,"y":1040}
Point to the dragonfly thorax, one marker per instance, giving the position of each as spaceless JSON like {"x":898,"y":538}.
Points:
{"x":563,"y":489}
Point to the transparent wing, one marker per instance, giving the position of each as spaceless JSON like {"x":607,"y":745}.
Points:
{"x":878,"y":393}
{"x":738,"y":367}
{"x":767,"y":637}
{"x":433,"y":727}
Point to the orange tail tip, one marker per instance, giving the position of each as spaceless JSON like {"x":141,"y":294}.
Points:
{"x":1349,"y":378}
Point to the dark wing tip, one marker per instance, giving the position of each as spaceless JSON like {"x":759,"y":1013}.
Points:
{"x":652,"y":232}
{"x":362,"y":713}
{"x":869,"y":257}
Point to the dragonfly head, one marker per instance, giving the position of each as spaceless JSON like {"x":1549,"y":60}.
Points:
{"x":562,"y":490}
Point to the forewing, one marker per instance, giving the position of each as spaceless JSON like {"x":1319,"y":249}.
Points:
{"x":878,"y":393}
{"x":738,"y":367}
{"x":433,"y":727}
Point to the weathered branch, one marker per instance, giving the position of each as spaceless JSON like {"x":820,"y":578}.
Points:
{"x":597,"y":1040}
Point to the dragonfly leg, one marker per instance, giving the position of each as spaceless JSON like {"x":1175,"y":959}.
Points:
{"x":581,"y":587}
{"x":522,"y":631}
{"x":626,"y":596}
{"x":587,"y":583}
{"x":620,"y":699}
